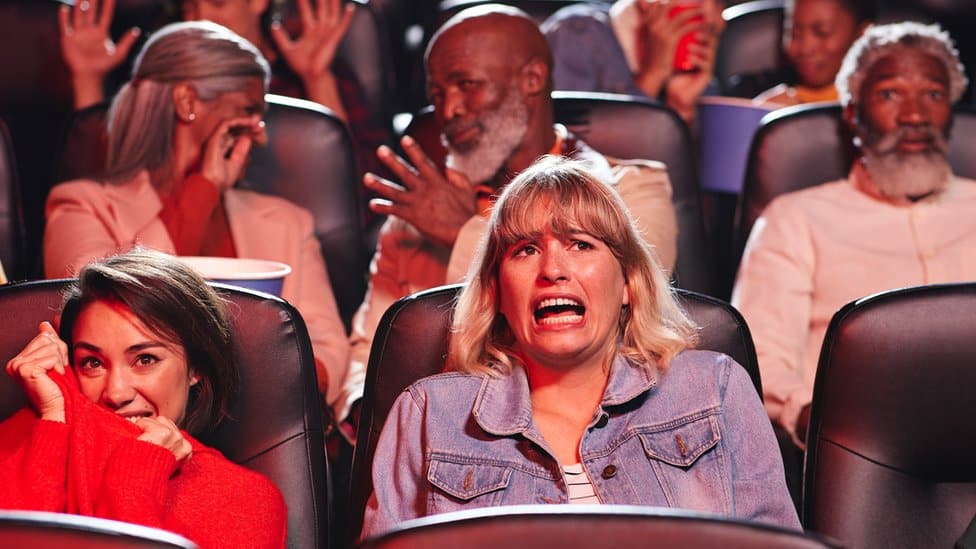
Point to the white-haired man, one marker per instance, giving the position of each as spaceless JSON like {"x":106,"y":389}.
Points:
{"x":901,"y":218}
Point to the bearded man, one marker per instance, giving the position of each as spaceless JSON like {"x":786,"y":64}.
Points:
{"x":901,"y":218}
{"x":489,"y":78}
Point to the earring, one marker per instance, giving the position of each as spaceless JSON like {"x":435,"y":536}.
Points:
{"x":192,"y":116}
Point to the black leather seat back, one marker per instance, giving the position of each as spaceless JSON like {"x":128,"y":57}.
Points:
{"x":961,"y":141}
{"x":44,"y":530}
{"x":11,"y":212}
{"x":585,"y":526}
{"x":752,"y":42}
{"x":310,"y":161}
{"x":366,"y":50}
{"x":892,"y":439}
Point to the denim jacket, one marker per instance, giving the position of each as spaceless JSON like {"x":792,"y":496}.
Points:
{"x":695,"y":437}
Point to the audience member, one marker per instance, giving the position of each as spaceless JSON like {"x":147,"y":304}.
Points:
{"x":817,"y":34}
{"x":141,"y":364}
{"x":901,"y":218}
{"x":630,"y":46}
{"x":303,"y":67}
{"x":571,"y":360}
{"x":88,"y":50}
{"x":179,"y":137}
{"x":489,"y":77}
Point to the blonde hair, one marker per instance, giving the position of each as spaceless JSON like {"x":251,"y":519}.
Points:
{"x":141,"y":119}
{"x":652,"y":329}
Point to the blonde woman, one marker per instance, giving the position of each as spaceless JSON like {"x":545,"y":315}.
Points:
{"x":573,"y":380}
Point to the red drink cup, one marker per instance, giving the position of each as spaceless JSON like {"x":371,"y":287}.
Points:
{"x":682,"y":60}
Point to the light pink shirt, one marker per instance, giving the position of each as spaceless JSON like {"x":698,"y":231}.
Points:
{"x":814,"y":250}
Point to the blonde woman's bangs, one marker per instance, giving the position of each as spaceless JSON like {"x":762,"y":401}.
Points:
{"x":571,"y":208}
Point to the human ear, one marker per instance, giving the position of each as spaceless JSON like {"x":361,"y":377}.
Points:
{"x":184,"y":102}
{"x":852,"y":119}
{"x":535,"y":77}
{"x":194,"y":379}
{"x":851,"y":116}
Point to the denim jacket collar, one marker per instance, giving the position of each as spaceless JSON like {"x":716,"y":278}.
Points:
{"x":504,"y":406}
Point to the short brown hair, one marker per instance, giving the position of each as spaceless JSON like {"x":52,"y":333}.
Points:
{"x":171,"y":299}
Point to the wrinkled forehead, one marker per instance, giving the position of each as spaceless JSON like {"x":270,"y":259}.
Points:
{"x":908,"y":63}
{"x":468,"y":45}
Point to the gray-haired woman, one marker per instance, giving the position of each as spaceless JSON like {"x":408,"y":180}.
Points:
{"x":179,"y":137}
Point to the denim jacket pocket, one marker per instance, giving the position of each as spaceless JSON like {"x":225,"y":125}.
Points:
{"x":683,"y":442}
{"x":691,"y":471}
{"x":466,"y":481}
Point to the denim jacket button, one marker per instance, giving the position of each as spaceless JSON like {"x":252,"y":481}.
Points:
{"x":609,"y":472}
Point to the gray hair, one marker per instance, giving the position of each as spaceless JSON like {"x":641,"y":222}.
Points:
{"x":210,"y":57}
{"x":882,"y":40}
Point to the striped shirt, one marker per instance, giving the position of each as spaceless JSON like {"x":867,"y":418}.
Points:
{"x":580,"y":487}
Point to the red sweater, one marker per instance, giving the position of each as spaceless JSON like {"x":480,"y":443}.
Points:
{"x":93,"y":465}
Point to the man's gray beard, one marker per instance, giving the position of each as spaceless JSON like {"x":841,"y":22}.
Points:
{"x":504,"y":128}
{"x":907,"y":175}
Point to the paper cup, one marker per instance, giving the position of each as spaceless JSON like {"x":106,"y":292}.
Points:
{"x":726,"y":127}
{"x":255,"y":274}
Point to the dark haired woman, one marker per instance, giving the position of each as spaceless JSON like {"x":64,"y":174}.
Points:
{"x":141,"y":364}
{"x":817,"y":35}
